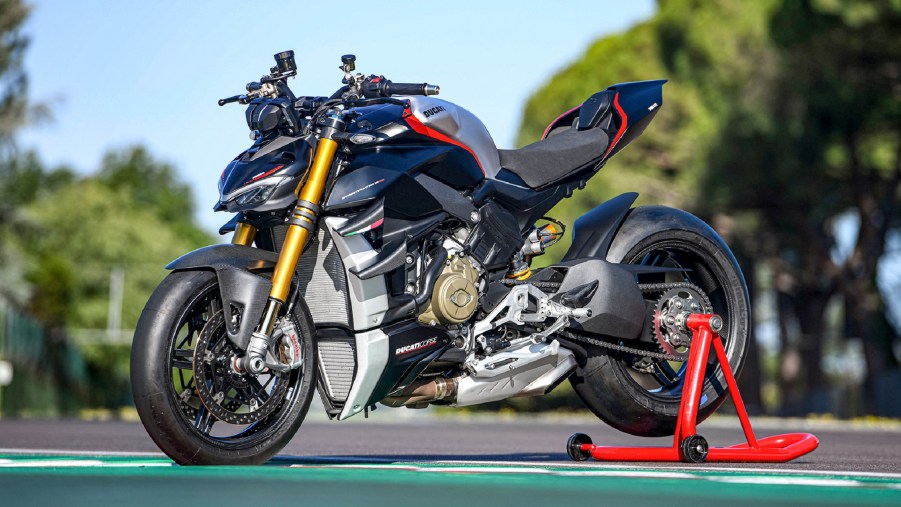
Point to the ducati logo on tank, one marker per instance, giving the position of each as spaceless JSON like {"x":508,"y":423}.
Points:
{"x":433,"y":111}
{"x":413,"y":347}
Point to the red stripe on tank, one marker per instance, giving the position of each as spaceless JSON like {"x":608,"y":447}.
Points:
{"x":421,"y":128}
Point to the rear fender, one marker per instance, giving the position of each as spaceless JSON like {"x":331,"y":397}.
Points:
{"x":594,"y":231}
{"x":244,"y":291}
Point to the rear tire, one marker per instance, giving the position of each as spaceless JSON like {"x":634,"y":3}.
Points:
{"x":648,"y":404}
{"x":162,"y":380}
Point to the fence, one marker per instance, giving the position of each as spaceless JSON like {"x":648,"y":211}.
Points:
{"x":49,"y":375}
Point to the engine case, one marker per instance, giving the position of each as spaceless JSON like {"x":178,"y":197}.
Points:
{"x":455,"y":297}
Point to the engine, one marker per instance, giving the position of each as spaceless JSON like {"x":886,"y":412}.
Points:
{"x":455,"y":297}
{"x":508,"y":349}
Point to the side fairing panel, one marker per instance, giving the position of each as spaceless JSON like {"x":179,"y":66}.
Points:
{"x":461,"y":125}
{"x":368,"y":298}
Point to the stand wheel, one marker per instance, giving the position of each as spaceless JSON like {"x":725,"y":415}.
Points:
{"x":694,"y":449}
{"x":574,"y":446}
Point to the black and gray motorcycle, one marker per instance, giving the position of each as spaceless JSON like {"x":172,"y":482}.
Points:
{"x":381,"y":253}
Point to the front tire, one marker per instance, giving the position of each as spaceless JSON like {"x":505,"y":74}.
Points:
{"x":647,"y":404}
{"x":185,"y":305}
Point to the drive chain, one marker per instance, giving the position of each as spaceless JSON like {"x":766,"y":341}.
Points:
{"x":646,"y":288}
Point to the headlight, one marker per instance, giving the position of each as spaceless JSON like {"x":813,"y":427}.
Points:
{"x":255,"y":196}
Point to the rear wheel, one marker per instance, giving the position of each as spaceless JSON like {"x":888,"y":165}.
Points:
{"x":642,"y":396}
{"x":193,"y":405}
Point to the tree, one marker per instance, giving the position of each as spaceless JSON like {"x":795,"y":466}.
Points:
{"x":13,"y":81}
{"x":153,"y":185}
{"x":80,"y":229}
{"x":786,"y":119}
{"x":91,"y":228}
{"x":811,"y":134}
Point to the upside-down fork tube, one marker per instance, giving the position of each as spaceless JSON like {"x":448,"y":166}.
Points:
{"x":244,"y":234}
{"x":301,"y":224}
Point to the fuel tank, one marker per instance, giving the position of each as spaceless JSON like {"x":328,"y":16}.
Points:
{"x":460,"y":126}
{"x":432,"y":137}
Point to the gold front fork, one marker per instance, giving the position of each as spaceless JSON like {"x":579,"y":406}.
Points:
{"x":303,"y":219}
{"x":301,"y":223}
{"x":244,"y":234}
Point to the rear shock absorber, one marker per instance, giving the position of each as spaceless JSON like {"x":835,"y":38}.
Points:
{"x":538,"y":240}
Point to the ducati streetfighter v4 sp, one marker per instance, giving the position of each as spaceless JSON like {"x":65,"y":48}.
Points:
{"x":381,"y":253}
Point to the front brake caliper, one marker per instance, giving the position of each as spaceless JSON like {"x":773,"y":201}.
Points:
{"x":287,"y":347}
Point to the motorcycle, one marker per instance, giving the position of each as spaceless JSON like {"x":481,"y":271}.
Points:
{"x":381,"y":253}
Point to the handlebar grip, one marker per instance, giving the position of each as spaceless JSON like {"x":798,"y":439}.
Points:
{"x":229,"y":100}
{"x":410,"y":89}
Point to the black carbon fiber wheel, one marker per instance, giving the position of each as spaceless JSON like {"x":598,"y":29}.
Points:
{"x":167,"y":395}
{"x":645,"y":401}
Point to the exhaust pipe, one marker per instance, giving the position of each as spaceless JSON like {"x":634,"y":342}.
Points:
{"x":424,"y":392}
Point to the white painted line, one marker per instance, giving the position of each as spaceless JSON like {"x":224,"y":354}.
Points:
{"x":7,"y":463}
{"x":708,"y":467}
{"x":788,"y":481}
{"x":65,"y":452}
{"x":767,"y":480}
{"x":83,"y":463}
{"x":513,"y":470}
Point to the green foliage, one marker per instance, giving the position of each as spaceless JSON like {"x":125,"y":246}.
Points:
{"x":663,"y":165}
{"x":783,"y":115}
{"x":54,"y":289}
{"x":13,"y":81}
{"x":91,"y":225}
{"x":64,"y":237}
{"x":151,"y":184}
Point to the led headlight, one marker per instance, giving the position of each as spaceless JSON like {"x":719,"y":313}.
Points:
{"x":255,"y":196}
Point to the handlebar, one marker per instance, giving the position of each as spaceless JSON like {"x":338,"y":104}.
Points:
{"x":373,"y":88}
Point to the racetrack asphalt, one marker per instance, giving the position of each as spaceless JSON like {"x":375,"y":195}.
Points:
{"x":443,"y":461}
{"x":843,"y":447}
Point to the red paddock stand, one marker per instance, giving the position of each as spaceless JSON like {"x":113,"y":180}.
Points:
{"x":688,"y":446}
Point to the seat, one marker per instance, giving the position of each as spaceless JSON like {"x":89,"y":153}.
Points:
{"x":555,"y":157}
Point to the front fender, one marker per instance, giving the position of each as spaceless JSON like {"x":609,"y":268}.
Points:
{"x":244,"y":291}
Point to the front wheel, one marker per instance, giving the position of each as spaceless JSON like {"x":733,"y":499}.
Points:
{"x":642,"y":396}
{"x":190,"y":400}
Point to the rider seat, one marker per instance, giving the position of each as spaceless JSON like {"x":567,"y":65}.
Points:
{"x":555,"y":157}
{"x":575,"y":139}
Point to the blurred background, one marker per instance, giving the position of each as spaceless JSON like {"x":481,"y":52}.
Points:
{"x":781,"y":127}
